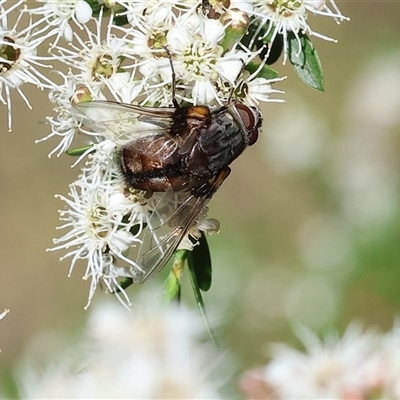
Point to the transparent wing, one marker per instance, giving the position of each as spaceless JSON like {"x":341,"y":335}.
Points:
{"x":124,"y":120}
{"x":167,"y":226}
{"x":172,"y":218}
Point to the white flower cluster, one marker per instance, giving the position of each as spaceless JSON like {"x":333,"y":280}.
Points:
{"x":360,"y":365}
{"x":154,"y":353}
{"x":285,"y":17}
{"x":151,"y":53}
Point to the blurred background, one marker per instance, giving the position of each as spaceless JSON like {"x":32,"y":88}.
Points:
{"x":309,"y":216}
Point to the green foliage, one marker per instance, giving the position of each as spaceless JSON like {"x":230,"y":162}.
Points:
{"x":125,"y":283}
{"x":173,"y":283}
{"x":201,"y":262}
{"x":305,"y":60}
{"x":198,"y":296}
{"x":78,"y":151}
{"x":264,"y":72}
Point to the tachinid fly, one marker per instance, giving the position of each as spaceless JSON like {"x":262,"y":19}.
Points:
{"x":185,"y":152}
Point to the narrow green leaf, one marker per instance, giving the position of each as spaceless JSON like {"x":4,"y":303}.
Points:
{"x":125,"y":283}
{"x":173,"y":282}
{"x":199,"y":298}
{"x":255,"y":35}
{"x":201,"y":259}
{"x":273,"y":50}
{"x":265,"y":72}
{"x":120,"y":20}
{"x":305,"y":60}
{"x":79,"y":151}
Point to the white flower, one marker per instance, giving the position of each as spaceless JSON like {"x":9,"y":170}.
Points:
{"x":284,"y":16}
{"x":387,"y":371}
{"x":96,"y":59}
{"x":65,"y":124}
{"x":148,"y":41}
{"x":152,"y":13}
{"x":253,"y":90}
{"x":99,"y":221}
{"x":155,"y":352}
{"x":172,"y":50}
{"x":58,"y":14}
{"x":203,"y":224}
{"x":124,"y":87}
{"x":18,"y":58}
{"x":221,"y":6}
{"x":200,"y":63}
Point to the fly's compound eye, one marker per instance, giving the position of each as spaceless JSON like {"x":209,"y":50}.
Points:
{"x":251,"y":120}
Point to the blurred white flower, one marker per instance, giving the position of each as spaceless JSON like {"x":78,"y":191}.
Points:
{"x":155,"y":352}
{"x":335,"y":368}
{"x":299,"y":143}
{"x":365,"y":157}
{"x":387,"y":365}
{"x":360,"y":365}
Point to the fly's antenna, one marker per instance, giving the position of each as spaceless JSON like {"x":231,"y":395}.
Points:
{"x":174,"y":101}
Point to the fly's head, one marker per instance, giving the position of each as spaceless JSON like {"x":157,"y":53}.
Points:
{"x":250,"y":119}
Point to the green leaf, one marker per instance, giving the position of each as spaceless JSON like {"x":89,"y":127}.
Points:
{"x":120,"y":20}
{"x":79,"y":151}
{"x":273,"y":50}
{"x":199,"y":297}
{"x":255,"y":35}
{"x":173,"y":283}
{"x":265,"y":72}
{"x":305,"y":60}
{"x":125,"y":283}
{"x":201,"y":260}
{"x":259,"y":37}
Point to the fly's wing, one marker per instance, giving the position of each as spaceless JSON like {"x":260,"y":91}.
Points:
{"x":168,"y":224}
{"x":125,"y":122}
{"x":171,"y":220}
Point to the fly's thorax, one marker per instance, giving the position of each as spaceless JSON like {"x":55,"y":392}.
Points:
{"x":188,"y":119}
{"x":218,"y":144}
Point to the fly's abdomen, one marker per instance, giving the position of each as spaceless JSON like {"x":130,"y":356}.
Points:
{"x":152,"y":164}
